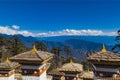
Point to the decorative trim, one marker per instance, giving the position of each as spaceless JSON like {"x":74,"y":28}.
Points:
{"x":7,"y":74}
{"x":40,"y":71}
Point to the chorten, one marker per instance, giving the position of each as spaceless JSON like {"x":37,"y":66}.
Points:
{"x":8,"y":70}
{"x":105,"y":63}
{"x":34,"y":63}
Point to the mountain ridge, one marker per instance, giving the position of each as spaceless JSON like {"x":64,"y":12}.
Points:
{"x":108,"y":40}
{"x":77,"y":46}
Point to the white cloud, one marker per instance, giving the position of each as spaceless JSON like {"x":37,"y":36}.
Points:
{"x":15,"y":27}
{"x":77,"y":32}
{"x":7,"y":30}
{"x":10,"y":31}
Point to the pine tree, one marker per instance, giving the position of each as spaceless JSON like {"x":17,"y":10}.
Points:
{"x":57,"y":57}
{"x":116,"y":48}
{"x":67,"y":51}
{"x":40,"y":46}
{"x":3,"y":40}
{"x":15,"y":45}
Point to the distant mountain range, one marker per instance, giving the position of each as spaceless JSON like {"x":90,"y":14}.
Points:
{"x":78,"y":47}
{"x":78,"y":44}
{"x":108,"y":40}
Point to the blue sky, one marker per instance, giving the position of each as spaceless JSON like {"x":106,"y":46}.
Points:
{"x":47,"y":16}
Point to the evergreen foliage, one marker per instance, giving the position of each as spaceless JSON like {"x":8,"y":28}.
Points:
{"x":40,"y":46}
{"x":16,"y":45}
{"x":57,"y":56}
{"x":10,"y":47}
{"x":67,"y":51}
{"x":116,"y":48}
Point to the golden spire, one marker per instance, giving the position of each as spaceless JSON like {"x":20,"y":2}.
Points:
{"x":88,"y":70}
{"x":7,"y":60}
{"x":103,"y":49}
{"x":34,"y":48}
{"x":71,"y":61}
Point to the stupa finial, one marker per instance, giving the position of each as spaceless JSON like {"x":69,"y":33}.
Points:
{"x":71,"y":61}
{"x":34,"y":48}
{"x":7,"y":60}
{"x":103,"y":49}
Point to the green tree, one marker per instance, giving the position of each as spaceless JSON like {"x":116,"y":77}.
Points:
{"x":3,"y":40}
{"x":56,"y":51}
{"x":67,"y":51}
{"x":15,"y":45}
{"x":3,"y":51}
{"x":57,"y":57}
{"x":40,"y":46}
{"x":116,"y":48}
